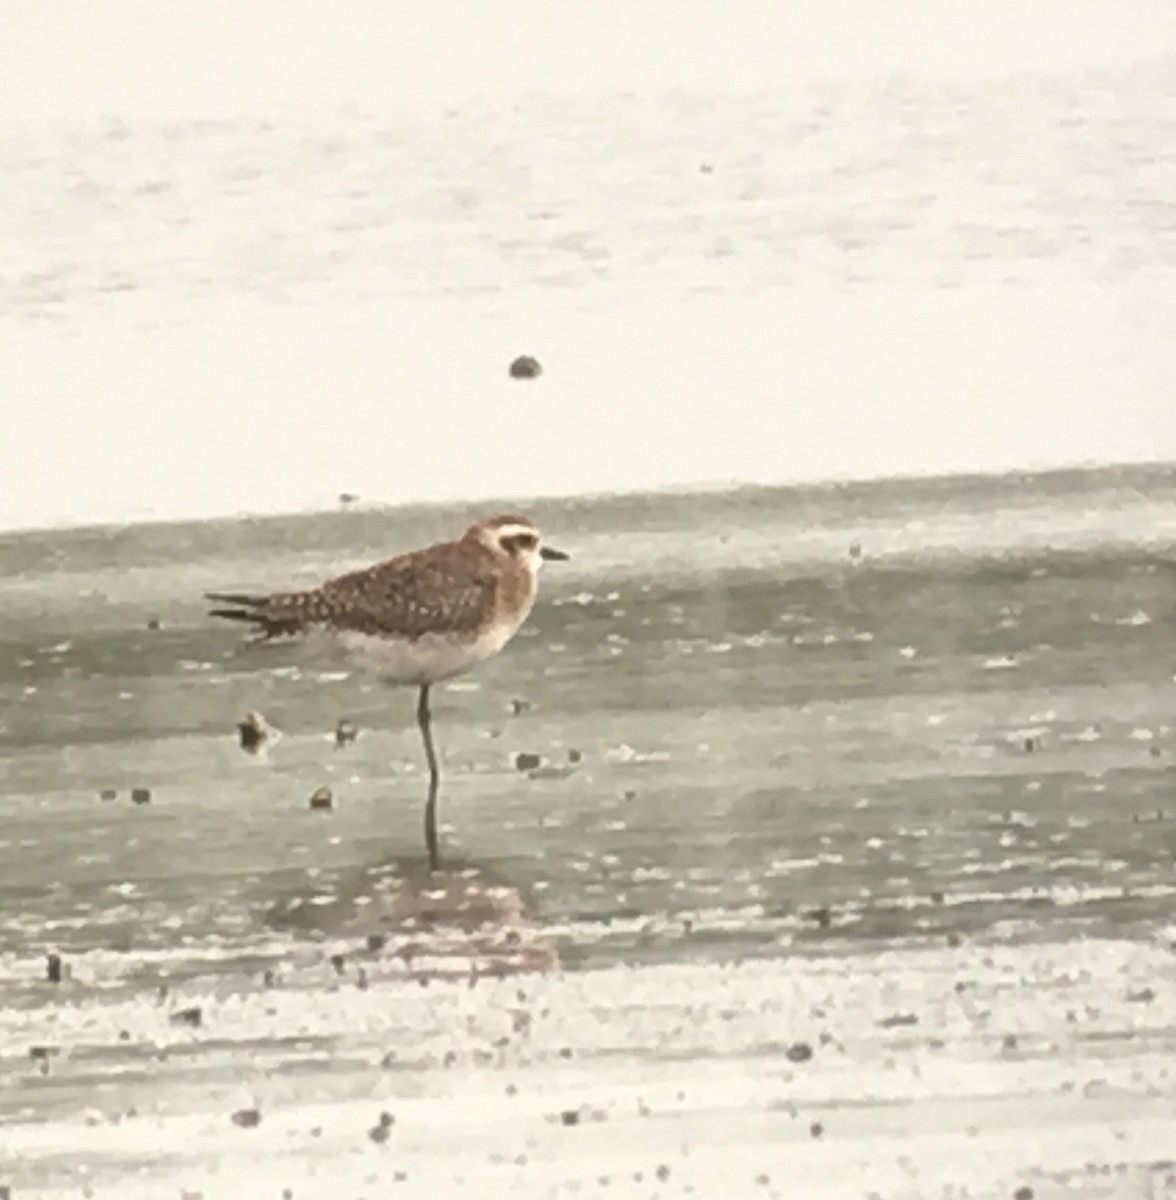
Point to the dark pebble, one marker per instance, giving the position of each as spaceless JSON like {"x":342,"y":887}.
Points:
{"x":936,"y":897}
{"x":252,"y":732}
{"x":1143,"y":996}
{"x":140,"y":795}
{"x":525,"y":761}
{"x":519,"y":706}
{"x":108,"y":794}
{"x":5,"y":1192}
{"x":193,"y":1016}
{"x":663,"y":1172}
{"x":338,"y":963}
{"x":1023,"y":1193}
{"x":799,"y":1052}
{"x":247,"y":1118}
{"x":345,"y":733}
{"x":569,"y":1116}
{"x":376,"y":942}
{"x":155,"y":624}
{"x":823,"y":917}
{"x":525,"y":367}
{"x":574,"y":756}
{"x":382,"y":1129}
{"x":54,"y":970}
{"x":322,"y":799}
{"x":816,"y":1129}
{"x":954,"y":940}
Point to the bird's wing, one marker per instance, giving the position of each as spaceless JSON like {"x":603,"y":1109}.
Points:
{"x":426,"y":591}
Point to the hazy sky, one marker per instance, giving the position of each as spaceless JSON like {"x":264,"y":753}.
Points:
{"x":204,"y":403}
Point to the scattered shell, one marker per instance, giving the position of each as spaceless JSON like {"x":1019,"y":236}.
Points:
{"x":525,"y":367}
{"x":253,"y":732}
{"x":322,"y":799}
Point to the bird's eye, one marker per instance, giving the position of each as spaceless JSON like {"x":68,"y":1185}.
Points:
{"x":520,"y":541}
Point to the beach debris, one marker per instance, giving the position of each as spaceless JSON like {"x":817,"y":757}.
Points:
{"x":253,"y":732}
{"x":322,"y":799}
{"x":42,"y":1055}
{"x":1143,"y":996}
{"x":140,"y":795}
{"x":192,"y":1016}
{"x":346,"y":498}
{"x":526,"y":761}
{"x":518,"y":706}
{"x":382,"y":1129}
{"x":108,"y":794}
{"x":898,"y":1019}
{"x":246,"y":1118}
{"x":526,"y":366}
{"x":155,"y":624}
{"x":799,"y":1052}
{"x":823,"y":916}
{"x":55,"y":970}
{"x":345,"y":732}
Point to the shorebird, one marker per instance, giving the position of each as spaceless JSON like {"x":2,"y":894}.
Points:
{"x":414,"y":620}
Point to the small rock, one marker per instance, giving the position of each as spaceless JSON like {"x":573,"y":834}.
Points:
{"x":140,"y":795}
{"x":855,"y":549}
{"x":54,"y":969}
{"x":322,"y":799}
{"x":799,"y":1052}
{"x":247,"y":1118}
{"x":574,"y":756}
{"x":663,"y":1172}
{"x":345,"y":733}
{"x":338,"y":963}
{"x":954,"y":940}
{"x":629,"y":795}
{"x":193,"y":1016}
{"x":525,"y":367}
{"x":525,"y":761}
{"x":376,"y":942}
{"x":346,"y":498}
{"x":569,"y":1117}
{"x":816,"y":1129}
{"x":1143,"y":996}
{"x":155,"y":624}
{"x":382,"y":1129}
{"x":1024,"y":1192}
{"x":519,"y":706}
{"x":108,"y":794}
{"x":937,"y":897}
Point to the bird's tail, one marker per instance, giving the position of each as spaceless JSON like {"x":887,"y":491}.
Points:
{"x":266,"y":614}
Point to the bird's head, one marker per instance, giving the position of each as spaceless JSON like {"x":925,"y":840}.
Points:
{"x":517,"y":539}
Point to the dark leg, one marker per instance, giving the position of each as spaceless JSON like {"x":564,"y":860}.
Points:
{"x":425,"y":722}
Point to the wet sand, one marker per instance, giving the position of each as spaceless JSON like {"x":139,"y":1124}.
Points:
{"x":924,"y":1072}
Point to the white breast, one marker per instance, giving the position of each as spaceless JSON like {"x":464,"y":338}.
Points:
{"x":427,"y":659}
